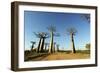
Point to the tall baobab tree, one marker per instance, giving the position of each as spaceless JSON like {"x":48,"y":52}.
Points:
{"x":72,"y":31}
{"x":33,"y":43}
{"x":52,"y":30}
{"x":40,"y":38}
{"x":44,"y":36}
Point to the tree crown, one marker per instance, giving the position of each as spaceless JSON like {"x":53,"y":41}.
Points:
{"x":71,"y":31}
{"x":51,"y":28}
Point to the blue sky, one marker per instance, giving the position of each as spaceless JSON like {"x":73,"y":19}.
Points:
{"x":36,"y":21}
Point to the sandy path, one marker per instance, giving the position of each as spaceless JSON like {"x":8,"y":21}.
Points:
{"x":62,"y":56}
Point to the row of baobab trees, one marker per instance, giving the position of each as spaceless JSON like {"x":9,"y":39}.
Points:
{"x":51,"y":49}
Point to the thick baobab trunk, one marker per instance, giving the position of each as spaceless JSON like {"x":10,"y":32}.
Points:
{"x":72,"y":44}
{"x":51,"y":43}
{"x":39,"y":46}
{"x":42,"y":45}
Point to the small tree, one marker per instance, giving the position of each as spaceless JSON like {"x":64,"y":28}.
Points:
{"x":88,"y":46}
{"x":57,"y":47}
{"x":33,"y":43}
{"x":46,"y":44}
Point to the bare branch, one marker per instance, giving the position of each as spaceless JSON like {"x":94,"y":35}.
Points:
{"x":52,"y":28}
{"x":33,"y":42}
{"x":71,"y":30}
{"x":41,"y":34}
{"x":86,"y":16}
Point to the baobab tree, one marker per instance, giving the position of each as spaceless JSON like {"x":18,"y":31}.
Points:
{"x":57,"y":47}
{"x":42,"y":36}
{"x":33,"y":43}
{"x":46,"y":44}
{"x":54,"y":47}
{"x":88,"y":46}
{"x":52,"y":30}
{"x":72,"y":31}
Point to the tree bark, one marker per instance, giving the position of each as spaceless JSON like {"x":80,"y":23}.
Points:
{"x":54,"y":48}
{"x":72,"y":44}
{"x":42,"y":45}
{"x":39,"y":46}
{"x":51,"y":43}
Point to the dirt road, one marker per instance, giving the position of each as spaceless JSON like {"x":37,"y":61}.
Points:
{"x":61,"y":56}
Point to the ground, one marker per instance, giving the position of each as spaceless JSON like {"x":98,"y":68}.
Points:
{"x":57,"y":56}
